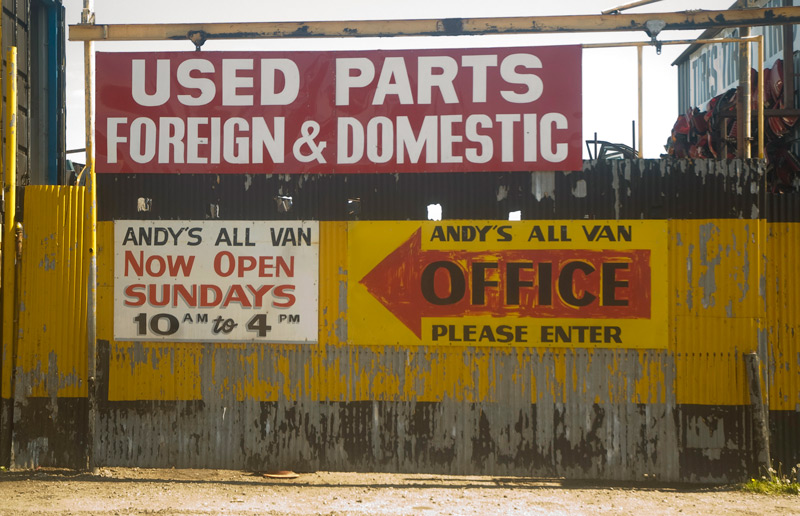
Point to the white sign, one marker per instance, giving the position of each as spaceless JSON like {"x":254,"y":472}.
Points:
{"x":215,"y":281}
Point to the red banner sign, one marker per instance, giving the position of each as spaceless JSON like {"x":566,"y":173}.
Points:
{"x":509,"y":109}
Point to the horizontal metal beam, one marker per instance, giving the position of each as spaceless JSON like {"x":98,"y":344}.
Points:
{"x":200,"y":32}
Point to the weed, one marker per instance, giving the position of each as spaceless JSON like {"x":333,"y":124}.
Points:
{"x":775,"y":482}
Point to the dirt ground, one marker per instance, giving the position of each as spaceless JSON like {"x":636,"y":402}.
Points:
{"x":126,"y":491}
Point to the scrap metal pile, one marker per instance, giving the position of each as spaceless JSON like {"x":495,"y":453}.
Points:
{"x":711,"y":134}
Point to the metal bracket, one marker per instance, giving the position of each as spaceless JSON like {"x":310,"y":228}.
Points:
{"x":652,"y":28}
{"x":198,"y":37}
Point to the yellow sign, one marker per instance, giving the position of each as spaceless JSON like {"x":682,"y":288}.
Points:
{"x":579,"y":284}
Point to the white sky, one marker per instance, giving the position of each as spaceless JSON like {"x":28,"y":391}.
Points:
{"x":609,"y":75}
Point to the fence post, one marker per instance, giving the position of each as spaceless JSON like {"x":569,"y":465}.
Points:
{"x":760,"y":425}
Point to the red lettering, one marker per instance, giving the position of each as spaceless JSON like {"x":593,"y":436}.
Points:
{"x":134,"y":292}
{"x":156,"y":266}
{"x":152,"y":294}
{"x":246,"y":263}
{"x":236,"y":294}
{"x":258,"y":294}
{"x":218,"y":263}
{"x":205,"y":301}
{"x":282,"y":291}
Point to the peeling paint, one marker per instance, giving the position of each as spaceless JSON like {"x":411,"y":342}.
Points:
{"x":707,"y":280}
{"x":502,"y":192}
{"x":543,"y":184}
{"x":614,"y":414}
{"x":579,"y":190}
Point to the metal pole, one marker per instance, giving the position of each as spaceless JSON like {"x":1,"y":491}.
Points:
{"x":87,"y":17}
{"x":9,"y":246}
{"x":199,"y":32}
{"x":639,"y":51}
{"x":744,"y":109}
{"x":788,"y":63}
{"x":760,"y":43}
{"x":628,"y":6}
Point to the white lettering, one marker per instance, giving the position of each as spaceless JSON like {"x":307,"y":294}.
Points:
{"x":545,"y":128}
{"x":393,"y":81}
{"x":346,"y":124}
{"x":171,"y":132}
{"x":232,"y":82}
{"x":508,"y":71}
{"x":345,"y":81}
{"x":479,"y":65}
{"x":203,"y":84}
{"x":291,"y":87}
{"x":138,"y":81}
{"x":442,"y":80}
{"x":487,"y":146}
{"x":113,"y":138}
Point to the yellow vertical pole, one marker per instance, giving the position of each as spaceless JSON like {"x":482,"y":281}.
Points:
{"x":87,"y":17}
{"x":744,"y":122}
{"x":9,"y":243}
{"x":639,"y":51}
{"x":760,"y":41}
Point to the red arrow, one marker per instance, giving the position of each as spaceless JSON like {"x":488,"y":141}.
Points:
{"x":569,"y":283}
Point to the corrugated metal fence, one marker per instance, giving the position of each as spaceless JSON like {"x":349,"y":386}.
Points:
{"x":50,"y":362}
{"x":678,"y":413}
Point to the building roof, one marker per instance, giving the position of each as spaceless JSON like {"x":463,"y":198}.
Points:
{"x":711,"y":33}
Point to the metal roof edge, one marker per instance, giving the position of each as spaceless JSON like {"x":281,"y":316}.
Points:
{"x":710,"y":33}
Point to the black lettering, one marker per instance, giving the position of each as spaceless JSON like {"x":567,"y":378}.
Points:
{"x":504,"y":235}
{"x":513,"y":283}
{"x":146,"y":236}
{"x":536,"y":233}
{"x":468,"y":233}
{"x":613,"y":333}
{"x":438,"y":330}
{"x":303,"y":236}
{"x":505,"y":334}
{"x":175,"y":235}
{"x":452,"y":333}
{"x":194,"y":233}
{"x":161,"y":236}
{"x":469,"y":333}
{"x":566,"y":280}
{"x":129,"y":236}
{"x":487,"y":334}
{"x":547,"y":334}
{"x":458,"y":285}
{"x":223,"y":237}
{"x":545,"y":284}
{"x":453,"y":234}
{"x":479,"y":282}
{"x":610,"y":284}
{"x":276,"y":239}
